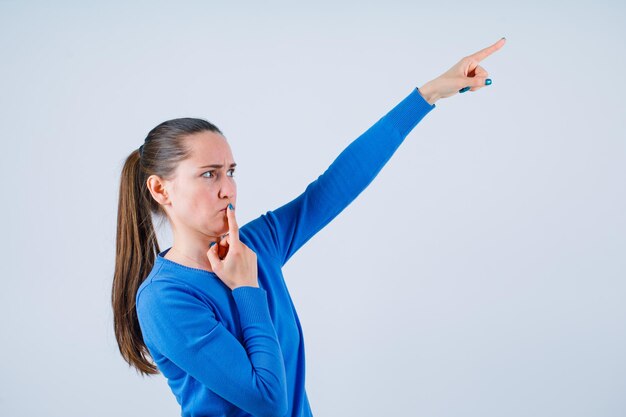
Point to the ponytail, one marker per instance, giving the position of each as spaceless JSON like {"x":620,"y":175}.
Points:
{"x":136,"y":249}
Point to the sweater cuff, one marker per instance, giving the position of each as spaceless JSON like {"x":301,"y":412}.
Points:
{"x":252,"y":304}
{"x":408,"y":113}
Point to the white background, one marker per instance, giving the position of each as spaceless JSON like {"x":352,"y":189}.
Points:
{"x":482,"y":273}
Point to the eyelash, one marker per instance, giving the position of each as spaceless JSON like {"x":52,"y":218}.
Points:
{"x":233,"y":170}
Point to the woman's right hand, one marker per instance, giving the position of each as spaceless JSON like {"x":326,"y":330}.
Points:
{"x":239,"y":266}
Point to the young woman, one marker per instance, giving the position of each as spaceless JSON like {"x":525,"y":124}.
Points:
{"x":213,"y":311}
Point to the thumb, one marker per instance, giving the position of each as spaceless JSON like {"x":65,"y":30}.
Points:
{"x":479,"y":81}
{"x":214,"y":259}
{"x":474,"y":83}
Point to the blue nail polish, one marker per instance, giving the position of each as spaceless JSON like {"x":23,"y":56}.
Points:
{"x":211,"y":245}
{"x":464,"y":89}
{"x":230,"y":206}
{"x":488,"y":81}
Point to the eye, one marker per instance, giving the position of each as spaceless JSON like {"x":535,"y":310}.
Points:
{"x":232,"y":170}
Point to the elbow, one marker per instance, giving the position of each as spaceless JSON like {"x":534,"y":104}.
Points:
{"x":276,"y":409}
{"x":282,"y":406}
{"x":276,"y":404}
{"x":273,"y":409}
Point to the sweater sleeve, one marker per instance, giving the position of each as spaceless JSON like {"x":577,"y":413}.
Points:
{"x":294,"y":223}
{"x":183,"y":328}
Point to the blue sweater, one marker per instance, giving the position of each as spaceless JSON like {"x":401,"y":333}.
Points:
{"x":241,"y":352}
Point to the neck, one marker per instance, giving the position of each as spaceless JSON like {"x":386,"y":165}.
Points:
{"x":190,"y":248}
{"x":193,"y":257}
{"x":194,"y":253}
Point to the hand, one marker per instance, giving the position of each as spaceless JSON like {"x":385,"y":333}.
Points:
{"x":466,"y":74}
{"x":239,"y":266}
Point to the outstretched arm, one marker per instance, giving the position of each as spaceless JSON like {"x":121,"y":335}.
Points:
{"x":293,"y":224}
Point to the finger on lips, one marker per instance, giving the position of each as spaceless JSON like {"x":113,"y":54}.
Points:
{"x":233,"y":229}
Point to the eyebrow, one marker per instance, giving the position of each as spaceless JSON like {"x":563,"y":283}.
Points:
{"x":218,"y":166}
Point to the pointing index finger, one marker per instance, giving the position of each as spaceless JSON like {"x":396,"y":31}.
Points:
{"x":484,"y":53}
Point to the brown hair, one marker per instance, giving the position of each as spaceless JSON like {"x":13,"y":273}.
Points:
{"x":136,"y":241}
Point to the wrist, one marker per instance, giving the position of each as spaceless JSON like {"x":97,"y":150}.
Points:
{"x":427,"y":92}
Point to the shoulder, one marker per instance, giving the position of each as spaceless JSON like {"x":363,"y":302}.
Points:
{"x":163,"y":305}
{"x":154,"y":293}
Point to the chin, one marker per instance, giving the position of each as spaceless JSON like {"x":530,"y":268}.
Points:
{"x":218,"y":231}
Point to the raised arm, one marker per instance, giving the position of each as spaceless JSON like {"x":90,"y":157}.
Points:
{"x":290,"y":226}
{"x":184,"y":329}
{"x":284,"y":230}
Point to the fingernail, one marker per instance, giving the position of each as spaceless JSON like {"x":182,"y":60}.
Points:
{"x":211,"y":245}
{"x":230,"y":206}
{"x":464,"y":89}
{"x":488,"y":81}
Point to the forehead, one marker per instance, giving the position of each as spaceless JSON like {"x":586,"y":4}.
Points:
{"x":207,"y":148}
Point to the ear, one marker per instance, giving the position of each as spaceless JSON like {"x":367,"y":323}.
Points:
{"x":157,"y":188}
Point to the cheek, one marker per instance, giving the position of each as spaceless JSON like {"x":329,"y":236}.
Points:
{"x":204,"y":204}
{"x":199,"y":203}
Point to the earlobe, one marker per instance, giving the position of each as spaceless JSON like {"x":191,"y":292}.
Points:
{"x":158,"y":191}
{"x":163,"y":197}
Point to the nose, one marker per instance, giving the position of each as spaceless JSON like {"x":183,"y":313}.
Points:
{"x":228,"y":187}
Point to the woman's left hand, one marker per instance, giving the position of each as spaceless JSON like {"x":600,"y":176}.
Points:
{"x":465,"y":75}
